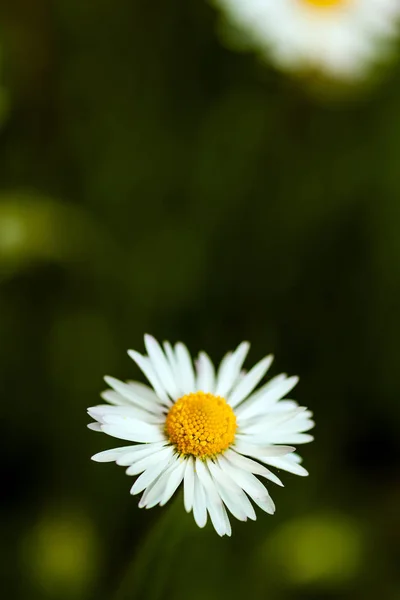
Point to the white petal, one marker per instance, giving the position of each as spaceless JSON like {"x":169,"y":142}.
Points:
{"x":242,"y":462}
{"x":268,"y":421}
{"x":269,"y":385}
{"x":228,"y":528}
{"x":296,"y":458}
{"x":112,"y":455}
{"x":215,"y":507}
{"x":281,"y":406}
{"x":223,"y":368}
{"x":233,"y":489}
{"x":229,"y":492}
{"x":132,"y":393}
{"x":289,"y":438}
{"x":244,"y":447}
{"x":299,"y":425}
{"x":205,"y":374}
{"x":161,"y":366}
{"x":188,"y":484}
{"x":144,"y":391}
{"x":250,"y":484}
{"x":222,"y":477}
{"x":186,"y":373}
{"x":229,"y":370}
{"x":131,"y":429}
{"x":98,"y":412}
{"x":160,"y":489}
{"x":138,"y":452}
{"x":231,"y":503}
{"x":257,"y":403}
{"x":174,"y":480}
{"x":206,"y":479}
{"x":138,"y":436}
{"x":249,"y":381}
{"x":145,"y":365}
{"x":94,"y":426}
{"x":151,"y":474}
{"x":152,"y":494}
{"x":129,"y":422}
{"x":115,"y":398}
{"x":278,"y":428}
{"x":285,"y":464}
{"x":213,"y":499}
{"x":275,"y":438}
{"x":289,"y":462}
{"x":245,"y":504}
{"x":199,"y":503}
{"x":149,"y":459}
{"x":266,"y":504}
{"x":170,"y":354}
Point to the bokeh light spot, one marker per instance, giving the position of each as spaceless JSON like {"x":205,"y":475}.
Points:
{"x":61,"y":554}
{"x":324,"y":549}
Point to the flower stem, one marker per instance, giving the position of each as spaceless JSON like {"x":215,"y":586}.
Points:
{"x":147,"y":574}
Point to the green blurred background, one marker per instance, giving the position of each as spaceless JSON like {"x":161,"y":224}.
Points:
{"x":152,"y":180}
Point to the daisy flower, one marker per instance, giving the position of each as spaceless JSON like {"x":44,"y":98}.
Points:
{"x":210,"y":430}
{"x":339,"y":37}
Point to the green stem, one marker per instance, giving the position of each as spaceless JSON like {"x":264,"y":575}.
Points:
{"x":147,"y":575}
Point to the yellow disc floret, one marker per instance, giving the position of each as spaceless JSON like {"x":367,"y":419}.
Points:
{"x":201,"y":424}
{"x":324,"y":3}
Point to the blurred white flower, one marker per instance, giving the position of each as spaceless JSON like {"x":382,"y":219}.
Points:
{"x":209,"y":430}
{"x":342,"y":38}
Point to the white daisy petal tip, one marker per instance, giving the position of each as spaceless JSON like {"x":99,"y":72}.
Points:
{"x":244,"y":347}
{"x":270,"y":359}
{"x":133,"y":354}
{"x":95,"y":458}
{"x":300,"y":471}
{"x":104,"y":394}
{"x":93,"y":426}
{"x":109,"y":380}
{"x":99,"y":458}
{"x":95,"y":412}
{"x":219,"y":465}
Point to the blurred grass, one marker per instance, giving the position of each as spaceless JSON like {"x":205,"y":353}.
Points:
{"x":153,"y":181}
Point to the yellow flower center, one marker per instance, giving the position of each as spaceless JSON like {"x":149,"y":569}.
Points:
{"x":324,"y":3}
{"x":201,"y":424}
